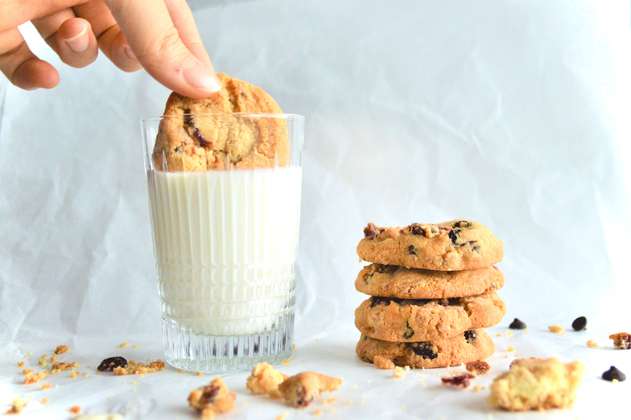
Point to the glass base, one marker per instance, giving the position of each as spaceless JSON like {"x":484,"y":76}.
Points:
{"x":187,"y":350}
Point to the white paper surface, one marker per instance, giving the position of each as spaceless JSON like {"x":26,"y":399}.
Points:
{"x":511,"y":113}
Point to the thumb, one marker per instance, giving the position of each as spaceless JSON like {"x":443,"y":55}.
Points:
{"x":157,"y":45}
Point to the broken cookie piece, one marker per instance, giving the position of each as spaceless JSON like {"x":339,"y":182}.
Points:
{"x":301,"y":389}
{"x":265,"y":380}
{"x":212,"y":399}
{"x":536,"y":384}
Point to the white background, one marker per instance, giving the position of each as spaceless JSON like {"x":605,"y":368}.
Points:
{"x":513,"y":113}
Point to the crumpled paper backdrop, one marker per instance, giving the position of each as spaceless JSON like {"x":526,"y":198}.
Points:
{"x":511,"y":113}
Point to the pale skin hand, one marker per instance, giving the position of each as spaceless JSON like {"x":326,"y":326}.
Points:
{"x":159,"y":35}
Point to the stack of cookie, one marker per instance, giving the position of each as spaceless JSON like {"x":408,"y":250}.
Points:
{"x":432,"y":289}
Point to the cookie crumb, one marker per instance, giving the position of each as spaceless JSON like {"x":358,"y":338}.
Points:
{"x":199,"y":373}
{"x":63,"y":366}
{"x":75,"y":409}
{"x":43,"y":401}
{"x":458,"y":381}
{"x":381,"y":362}
{"x":139,"y":368}
{"x":282,"y":416}
{"x":61,"y":349}
{"x":265,"y":380}
{"x":73,"y":374}
{"x":399,"y":372}
{"x":214,"y":398}
{"x":34,"y":377}
{"x":21,"y":364}
{"x":510,"y":349}
{"x":46,"y":386}
{"x":477,"y":388}
{"x":301,"y":389}
{"x":592,"y":344}
{"x":556,"y":329}
{"x":621,"y":340}
{"x":17,"y":405}
{"x":123,"y":345}
{"x":43,"y":360}
{"x":479,"y":367}
{"x":316,"y":412}
{"x":284,"y":362}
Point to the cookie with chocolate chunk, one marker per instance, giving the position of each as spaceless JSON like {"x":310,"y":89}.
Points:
{"x":214,"y":133}
{"x":449,"y":246}
{"x":393,"y":281}
{"x":466,"y":347}
{"x":408,"y":320}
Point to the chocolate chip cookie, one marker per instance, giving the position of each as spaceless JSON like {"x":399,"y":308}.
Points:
{"x":449,"y":246}
{"x":393,"y":281}
{"x":213,"y":133}
{"x":408,"y":320}
{"x":466,"y":347}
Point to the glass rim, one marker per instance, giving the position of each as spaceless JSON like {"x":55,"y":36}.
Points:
{"x":280,"y":116}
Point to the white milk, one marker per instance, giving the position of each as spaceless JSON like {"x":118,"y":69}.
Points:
{"x":225,"y":244}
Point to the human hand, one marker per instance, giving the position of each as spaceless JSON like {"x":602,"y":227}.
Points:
{"x":159,"y":35}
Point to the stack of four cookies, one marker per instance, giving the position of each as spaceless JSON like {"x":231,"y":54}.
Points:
{"x":432,"y":289}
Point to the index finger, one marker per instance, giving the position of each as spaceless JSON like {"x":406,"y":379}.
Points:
{"x":16,"y":12}
{"x":157,"y":44}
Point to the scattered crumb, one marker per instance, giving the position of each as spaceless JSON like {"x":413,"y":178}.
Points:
{"x":621,"y":340}
{"x":212,"y":399}
{"x":330,"y":400}
{"x":459,"y":381}
{"x":381,"y":362}
{"x":75,"y":409}
{"x":123,"y":345}
{"x":477,"y":388}
{"x":26,"y":371}
{"x":63,"y":366}
{"x":138,"y":368}
{"x":265,"y":380}
{"x":592,"y":344}
{"x":17,"y":405}
{"x":21,"y":364}
{"x":302,"y":389}
{"x":285,"y":362}
{"x":135,"y":346}
{"x":498,"y":334}
{"x":43,"y":401}
{"x":510,"y":349}
{"x":479,"y":367}
{"x":399,"y":372}
{"x":43,"y":360}
{"x":61,"y":349}
{"x":282,"y":416}
{"x":199,"y":373}
{"x":556,"y":329}
{"x":73,"y":374}
{"x":316,"y":412}
{"x":46,"y":386}
{"x":33,"y":377}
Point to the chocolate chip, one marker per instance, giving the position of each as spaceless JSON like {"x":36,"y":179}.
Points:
{"x":425,"y":349}
{"x":388,"y":269}
{"x":579,"y":323}
{"x":460,"y":381}
{"x":463,"y":224}
{"x":416,"y":229}
{"x":412,"y":250}
{"x":453,"y":235}
{"x":109,"y":364}
{"x":517,"y":324}
{"x":371,"y":231}
{"x":376,"y":300}
{"x":470,"y":336}
{"x":613,"y":374}
{"x":409,"y":332}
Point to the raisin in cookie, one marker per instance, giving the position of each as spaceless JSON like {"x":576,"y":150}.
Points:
{"x":449,"y":246}
{"x":393,"y":281}
{"x":536,"y":384}
{"x":209,"y":133}
{"x":407,"y":320}
{"x":466,"y":347}
{"x":212,"y":399}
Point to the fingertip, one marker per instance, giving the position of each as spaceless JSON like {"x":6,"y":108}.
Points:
{"x":34,"y":74}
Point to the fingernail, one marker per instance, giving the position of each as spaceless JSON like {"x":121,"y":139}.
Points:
{"x":129,"y":53}
{"x":198,"y":76}
{"x":79,"y":43}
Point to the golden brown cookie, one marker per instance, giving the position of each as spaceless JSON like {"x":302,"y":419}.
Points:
{"x":265,"y":380}
{"x":467,"y":347}
{"x":407,"y":320}
{"x":536,"y":384}
{"x":393,"y":281}
{"x":449,"y":246}
{"x":210,"y":133}
{"x":301,"y":389}
{"x":212,"y":399}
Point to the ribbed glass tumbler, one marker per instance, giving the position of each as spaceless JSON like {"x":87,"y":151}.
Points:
{"x":224,"y":195}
